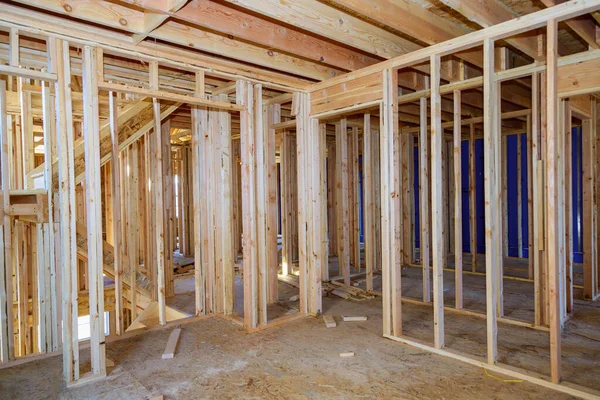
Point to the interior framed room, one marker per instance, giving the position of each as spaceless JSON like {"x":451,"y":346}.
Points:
{"x":311,"y":187}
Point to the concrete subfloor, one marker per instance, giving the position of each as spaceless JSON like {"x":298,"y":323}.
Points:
{"x":216,"y":359}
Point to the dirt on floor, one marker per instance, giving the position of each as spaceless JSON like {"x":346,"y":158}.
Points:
{"x":216,"y":359}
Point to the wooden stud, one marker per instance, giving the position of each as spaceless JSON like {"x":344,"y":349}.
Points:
{"x":355,"y":200}
{"x":458,"y":259}
{"x":261,"y":190}
{"x":117,"y":218}
{"x":66,"y":178}
{"x":424,"y":199}
{"x":6,"y":285}
{"x":273,"y":115}
{"x":158,"y":194}
{"x":390,"y":206}
{"x":287,"y":215}
{"x":590,"y":254}
{"x":472,"y":198}
{"x":169,"y":208}
{"x":554,"y":255}
{"x":342,"y":200}
{"x":199,"y":122}
{"x":245,"y":98}
{"x":438,"y":256}
{"x":331,"y":200}
{"x":91,"y":134}
{"x":369,"y":200}
{"x":567,"y":162}
{"x":492,"y":199}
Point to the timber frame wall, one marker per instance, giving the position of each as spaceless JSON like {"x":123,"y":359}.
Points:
{"x":556,"y":80}
{"x":53,"y":212}
{"x":372,"y":90}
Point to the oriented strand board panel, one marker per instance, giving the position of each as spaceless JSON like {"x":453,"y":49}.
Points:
{"x":356,"y":91}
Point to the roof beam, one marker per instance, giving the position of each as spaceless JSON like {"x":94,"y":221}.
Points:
{"x":489,"y":13}
{"x":410,"y":19}
{"x":584,"y":27}
{"x":186,"y":35}
{"x":326,"y":21}
{"x":100,"y":12}
{"x":230,"y":21}
{"x":34,"y":21}
{"x":153,"y":20}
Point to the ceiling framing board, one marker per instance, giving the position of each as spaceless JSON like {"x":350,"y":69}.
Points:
{"x":75,"y":32}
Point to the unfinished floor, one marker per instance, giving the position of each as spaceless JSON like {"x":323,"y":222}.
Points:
{"x":216,"y":359}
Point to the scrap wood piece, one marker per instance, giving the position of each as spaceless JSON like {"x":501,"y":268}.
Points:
{"x":354,"y":318}
{"x":347,"y":354}
{"x":341,"y":293}
{"x":172,"y":344}
{"x":329,"y":321}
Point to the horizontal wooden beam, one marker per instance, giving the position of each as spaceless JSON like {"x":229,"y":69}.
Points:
{"x":27,"y":73}
{"x":470,"y":40}
{"x":584,"y":26}
{"x":38,"y":23}
{"x":177,"y":98}
{"x":291,"y":124}
{"x":250,"y":28}
{"x":490,"y":13}
{"x":336,"y":25}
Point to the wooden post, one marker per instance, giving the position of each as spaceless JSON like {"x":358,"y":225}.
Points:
{"x":302,"y":187}
{"x":437,"y":216}
{"x":6,"y":285}
{"x":66,"y":177}
{"x":262,"y":192}
{"x":590,"y":226}
{"x":287,"y":181}
{"x":245,"y":97}
{"x":355,"y":199}
{"x":342,"y":200}
{"x":48,"y":300}
{"x":169,"y":208}
{"x":273,"y":115}
{"x":424,"y":199}
{"x":117,"y":219}
{"x":158,"y":194}
{"x":492,"y":197}
{"x":458,"y":259}
{"x":408,"y":146}
{"x":538,"y":200}
{"x":390,"y":207}
{"x":199,"y":125}
{"x":554,"y":255}
{"x":222,"y":207}
{"x":92,"y":71}
{"x":519,"y":200}
{"x":206,"y":226}
{"x":369,"y":199}
{"x":530,"y":184}
{"x":472,"y":198}
{"x":311,"y":203}
{"x":331,"y":198}
{"x":566,"y":162}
